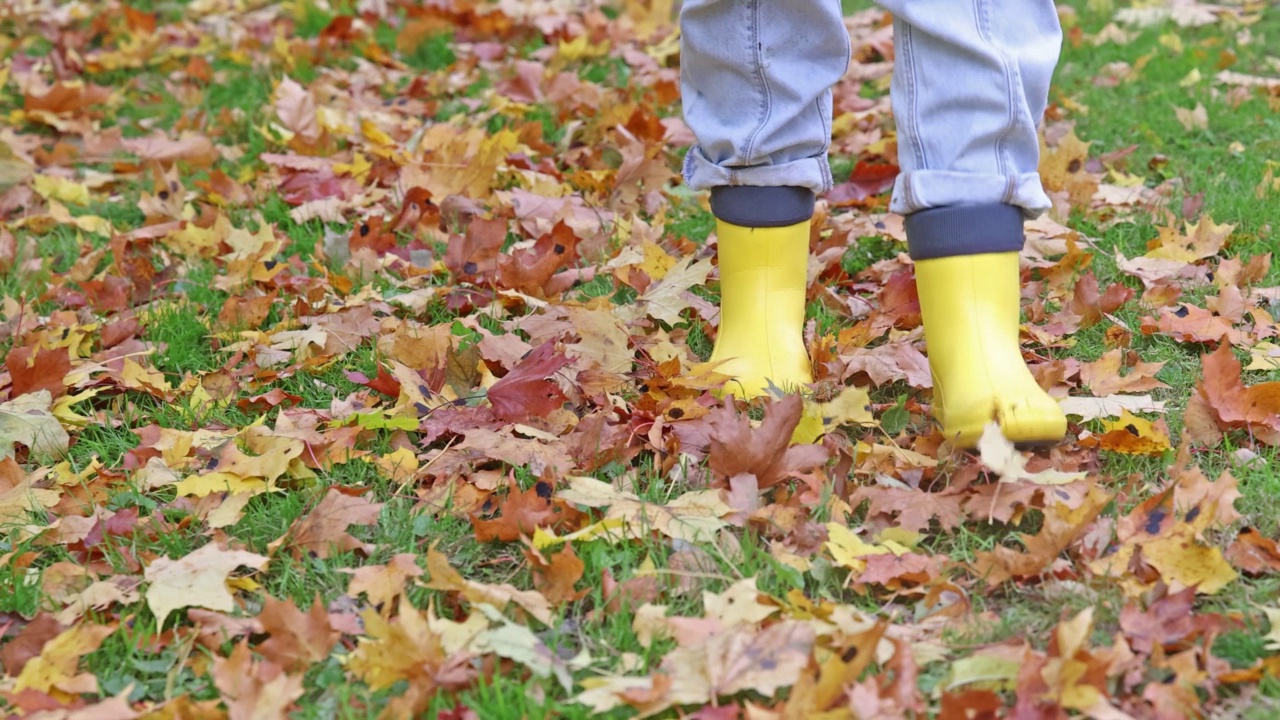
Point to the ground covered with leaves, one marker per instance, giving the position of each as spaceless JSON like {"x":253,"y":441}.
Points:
{"x":354,"y":366}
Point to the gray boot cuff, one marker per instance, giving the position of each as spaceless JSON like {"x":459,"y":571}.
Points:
{"x":750,"y":206}
{"x":964,"y":230}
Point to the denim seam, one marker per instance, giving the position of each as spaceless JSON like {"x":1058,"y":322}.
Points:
{"x":766,"y":102}
{"x":914,"y":140}
{"x":984,"y":30}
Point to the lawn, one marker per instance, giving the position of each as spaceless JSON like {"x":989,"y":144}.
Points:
{"x":354,"y":366}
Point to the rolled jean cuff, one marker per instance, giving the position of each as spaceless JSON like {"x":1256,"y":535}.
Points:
{"x":758,"y":207}
{"x":964,"y":230}
{"x":813,"y":173}
{"x":925,"y":189}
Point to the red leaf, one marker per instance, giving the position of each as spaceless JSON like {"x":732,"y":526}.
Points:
{"x":50,"y":366}
{"x":526,"y":391}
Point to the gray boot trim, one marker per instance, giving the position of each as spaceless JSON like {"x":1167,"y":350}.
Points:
{"x":964,"y":230}
{"x":750,"y":206}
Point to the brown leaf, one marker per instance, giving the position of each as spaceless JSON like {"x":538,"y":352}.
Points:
{"x":1169,"y":623}
{"x":254,"y":690}
{"x":1232,"y":403}
{"x":298,"y":639}
{"x":382,"y":584}
{"x":1253,"y":553}
{"x":520,"y":513}
{"x":473,"y":257}
{"x":1103,"y":376}
{"x":324,"y":529}
{"x":765,"y":451}
{"x":913,"y":509}
{"x":555,"y":578}
{"x":15,"y":653}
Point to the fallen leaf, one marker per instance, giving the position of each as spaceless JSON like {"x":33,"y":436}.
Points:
{"x":198,"y":579}
{"x":27,"y":420}
{"x":324,"y":529}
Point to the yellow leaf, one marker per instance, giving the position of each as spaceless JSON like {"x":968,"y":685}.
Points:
{"x":55,"y":667}
{"x":1183,"y":561}
{"x":739,"y":604}
{"x":692,"y":517}
{"x":27,"y":420}
{"x":398,"y":465}
{"x":848,"y":550}
{"x":56,"y":188}
{"x":62,"y":408}
{"x":656,"y":261}
{"x":544,"y":538}
{"x":1264,"y":356}
{"x":135,"y":377}
{"x":201,"y":485}
{"x":850,"y":407}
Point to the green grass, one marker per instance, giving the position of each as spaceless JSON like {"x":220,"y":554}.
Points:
{"x":180,"y":323}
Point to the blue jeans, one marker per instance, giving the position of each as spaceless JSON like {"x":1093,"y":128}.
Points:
{"x":970,"y":85}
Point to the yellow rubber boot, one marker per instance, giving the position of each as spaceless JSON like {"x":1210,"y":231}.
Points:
{"x":763,"y":273}
{"x":970,"y":306}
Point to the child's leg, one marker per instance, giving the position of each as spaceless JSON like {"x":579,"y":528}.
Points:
{"x":756,"y":79}
{"x":970,"y":84}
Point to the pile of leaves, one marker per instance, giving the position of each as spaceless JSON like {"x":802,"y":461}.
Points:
{"x":354,"y":359}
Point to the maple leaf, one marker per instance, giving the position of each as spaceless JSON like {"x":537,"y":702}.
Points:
{"x":27,"y":420}
{"x":444,"y":577}
{"x":1253,"y":553}
{"x":913,"y":510}
{"x":1062,"y":526}
{"x":766,"y":452}
{"x":298,"y":639}
{"x":253,"y":690}
{"x":556,"y":578}
{"x":1001,"y":457}
{"x":382,"y":584}
{"x":42,"y":369}
{"x":528,"y":390}
{"x":1232,"y":404}
{"x":296,"y":108}
{"x":666,"y":299}
{"x":324,"y":529}
{"x":199,"y":579}
{"x":1103,"y":377}
{"x":1132,"y":435}
{"x":521,"y":512}
{"x":692,"y":517}
{"x":56,"y":665}
{"x":19,"y":495}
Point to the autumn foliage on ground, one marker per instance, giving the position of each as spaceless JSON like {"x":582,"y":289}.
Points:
{"x":354,"y":365}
